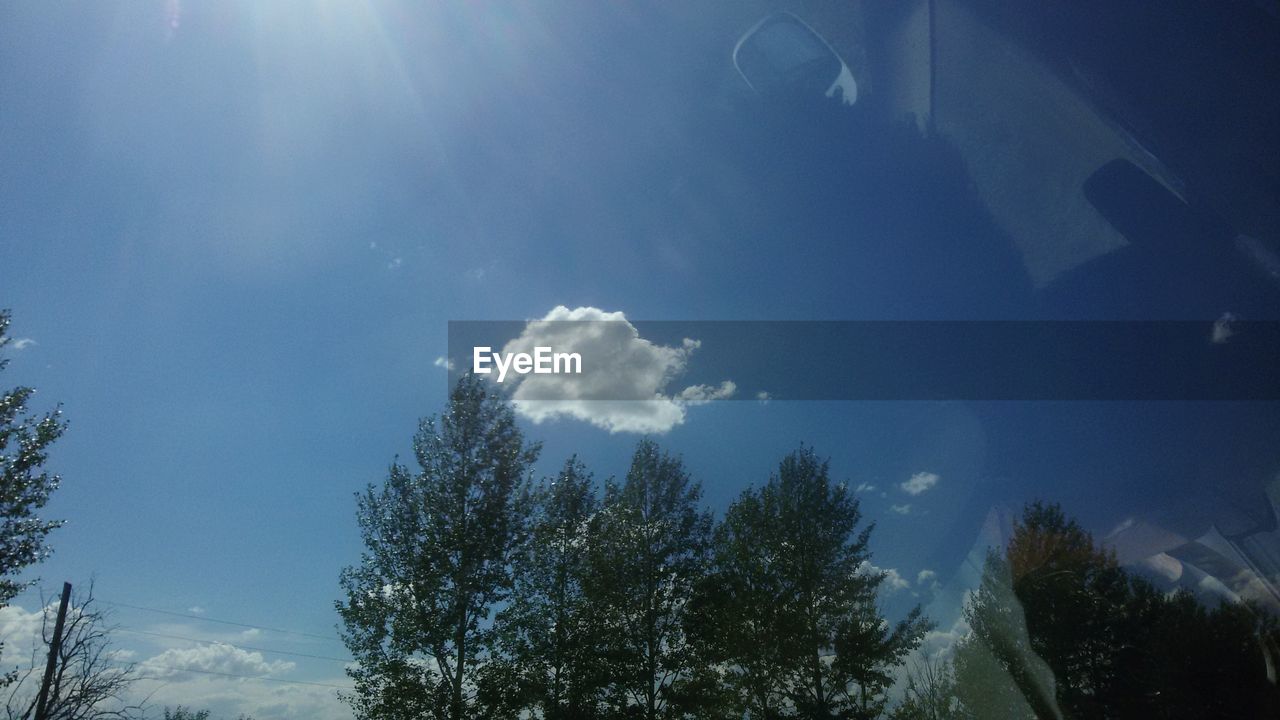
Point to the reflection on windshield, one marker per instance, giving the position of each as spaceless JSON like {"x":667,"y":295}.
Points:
{"x":239,"y":238}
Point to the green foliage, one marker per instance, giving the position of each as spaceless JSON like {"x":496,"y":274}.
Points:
{"x":651,"y":545}
{"x":440,"y":546}
{"x":548,"y":630}
{"x":478,"y":596}
{"x":24,"y":485}
{"x":790,"y":611}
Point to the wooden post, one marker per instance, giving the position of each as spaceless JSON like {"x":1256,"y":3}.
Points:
{"x":54,"y":647}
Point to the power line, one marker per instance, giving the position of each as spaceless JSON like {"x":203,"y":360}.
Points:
{"x":202,"y":618}
{"x":232,"y":645}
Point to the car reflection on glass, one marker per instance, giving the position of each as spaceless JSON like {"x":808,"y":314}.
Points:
{"x":782,"y":56}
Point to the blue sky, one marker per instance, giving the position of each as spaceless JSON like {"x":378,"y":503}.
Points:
{"x":235,"y":235}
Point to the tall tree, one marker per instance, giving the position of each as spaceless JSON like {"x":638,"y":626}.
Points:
{"x":791,"y":606}
{"x":651,"y":545}
{"x":1059,"y":629}
{"x":439,"y":546}
{"x":25,"y":486}
{"x":547,"y":628}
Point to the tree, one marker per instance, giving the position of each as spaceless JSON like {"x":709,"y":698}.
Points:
{"x":547,"y":629}
{"x":651,"y":545}
{"x":439,"y":549}
{"x":182,"y":713}
{"x":1059,"y":629}
{"x":930,"y":693}
{"x":791,"y":605}
{"x":25,"y":486}
{"x":90,"y":683}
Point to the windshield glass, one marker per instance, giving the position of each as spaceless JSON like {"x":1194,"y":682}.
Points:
{"x":786,"y":359}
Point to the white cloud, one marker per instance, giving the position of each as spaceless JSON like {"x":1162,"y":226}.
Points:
{"x":865,"y":488}
{"x":20,"y":631}
{"x":893,"y":580}
{"x":702,"y":394}
{"x":919,"y":483}
{"x":23,"y":343}
{"x":1223,"y":329}
{"x":927,"y":580}
{"x":941,"y":644}
{"x":230,"y":697}
{"x":444,"y":362}
{"x":212,"y":657}
{"x":622,"y":386}
{"x":901,"y":509}
{"x":195,"y":610}
{"x":763,"y":397}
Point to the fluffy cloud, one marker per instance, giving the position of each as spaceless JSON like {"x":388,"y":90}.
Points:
{"x":20,"y":631}
{"x":443,"y":362}
{"x":622,"y":387}
{"x":919,"y":483}
{"x":893,"y":580}
{"x":231,"y":697}
{"x":212,"y":657}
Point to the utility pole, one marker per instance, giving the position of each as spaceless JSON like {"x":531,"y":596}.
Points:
{"x":43,"y":702}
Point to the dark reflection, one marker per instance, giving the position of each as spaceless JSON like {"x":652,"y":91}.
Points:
{"x":1058,"y":629}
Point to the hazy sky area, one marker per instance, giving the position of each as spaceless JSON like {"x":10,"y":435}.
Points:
{"x":232,"y":236}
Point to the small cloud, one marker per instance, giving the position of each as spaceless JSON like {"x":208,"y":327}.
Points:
{"x":196,"y":610}
{"x":23,"y":343}
{"x":1222,"y":329}
{"x":763,"y":397}
{"x":919,"y":483}
{"x":395,"y":263}
{"x":925,"y":576}
{"x":475,"y":274}
{"x":893,"y":580}
{"x":901,"y":509}
{"x":702,"y":394}
{"x":444,"y":362}
{"x":865,"y":488}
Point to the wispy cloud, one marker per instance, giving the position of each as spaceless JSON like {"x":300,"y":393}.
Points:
{"x":919,"y":483}
{"x":901,"y":509}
